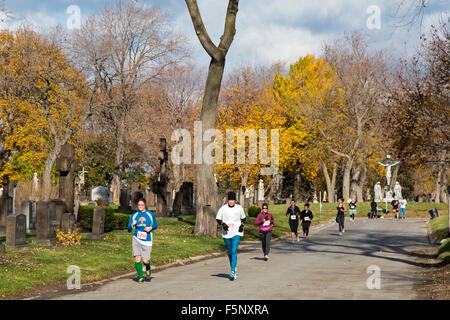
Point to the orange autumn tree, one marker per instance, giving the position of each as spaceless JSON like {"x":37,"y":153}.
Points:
{"x":22,"y":139}
{"x":243,"y":113}
{"x":309,"y":82}
{"x":44,"y":104}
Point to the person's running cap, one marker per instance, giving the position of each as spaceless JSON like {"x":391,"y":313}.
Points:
{"x":231,"y":195}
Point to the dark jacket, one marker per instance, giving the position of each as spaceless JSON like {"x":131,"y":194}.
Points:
{"x":304,"y":214}
{"x":373,"y":206}
{"x":293,"y":211}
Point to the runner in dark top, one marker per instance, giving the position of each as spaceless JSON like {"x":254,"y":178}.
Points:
{"x":340,"y":217}
{"x":395,"y":204}
{"x":293,"y":212}
{"x":306,"y":217}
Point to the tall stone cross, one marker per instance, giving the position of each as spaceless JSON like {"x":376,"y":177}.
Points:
{"x":82,"y":178}
{"x":388,"y":163}
{"x":67,"y":166}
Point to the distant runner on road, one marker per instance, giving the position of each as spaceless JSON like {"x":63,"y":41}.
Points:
{"x":293,"y":212}
{"x":265,"y":222}
{"x":231,"y":217}
{"x":340,"y":217}
{"x":306,"y":217}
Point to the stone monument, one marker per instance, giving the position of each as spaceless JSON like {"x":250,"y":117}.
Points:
{"x":398,"y":191}
{"x":377,"y":192}
{"x":98,"y":225}
{"x":16,"y":231}
{"x":67,"y":166}
{"x":100,"y":193}
{"x":160,"y":187}
{"x":46,"y":224}
{"x":67,"y":222}
{"x":125,"y":198}
{"x":6,"y":202}
{"x":29,"y":210}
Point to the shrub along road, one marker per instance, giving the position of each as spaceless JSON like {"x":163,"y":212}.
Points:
{"x":324,"y":266}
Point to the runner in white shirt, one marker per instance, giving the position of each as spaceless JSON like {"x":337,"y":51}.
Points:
{"x":231,"y":217}
{"x":402,"y":209}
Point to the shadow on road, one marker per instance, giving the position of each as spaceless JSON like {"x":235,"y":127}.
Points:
{"x":221,"y":275}
{"x":257,"y":258}
{"x":373,"y":244}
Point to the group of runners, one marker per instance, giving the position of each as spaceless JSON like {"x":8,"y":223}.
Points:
{"x":231,"y":217}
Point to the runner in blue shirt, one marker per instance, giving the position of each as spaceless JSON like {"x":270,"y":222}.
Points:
{"x":143,"y":222}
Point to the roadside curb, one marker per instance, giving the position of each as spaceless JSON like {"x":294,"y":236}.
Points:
{"x":179,"y":262}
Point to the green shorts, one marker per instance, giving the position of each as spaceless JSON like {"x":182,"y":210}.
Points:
{"x":140,"y":250}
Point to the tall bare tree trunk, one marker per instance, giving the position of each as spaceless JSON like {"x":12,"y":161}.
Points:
{"x":297,"y":186}
{"x":331,"y":183}
{"x":354,"y":181}
{"x":346,"y":179}
{"x":444,"y":195}
{"x":47,"y":173}
{"x":207,"y":194}
{"x":361,"y":184}
{"x":440,"y":183}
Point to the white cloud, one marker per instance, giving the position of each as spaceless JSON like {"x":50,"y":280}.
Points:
{"x":36,"y":20}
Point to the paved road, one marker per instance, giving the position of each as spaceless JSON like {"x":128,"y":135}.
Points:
{"x":324,"y":266}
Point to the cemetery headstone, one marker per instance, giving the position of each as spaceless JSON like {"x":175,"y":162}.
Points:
{"x":98,"y":224}
{"x":100,"y":193}
{"x":125,"y":198}
{"x":45,"y":223}
{"x":16,"y":231}
{"x":67,"y":222}
{"x":6,"y":202}
{"x":60,"y":208}
{"x":29,"y":210}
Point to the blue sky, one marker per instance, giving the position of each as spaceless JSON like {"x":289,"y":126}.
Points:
{"x":267,"y":30}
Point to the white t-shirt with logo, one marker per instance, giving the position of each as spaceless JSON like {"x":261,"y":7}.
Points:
{"x":232,"y":217}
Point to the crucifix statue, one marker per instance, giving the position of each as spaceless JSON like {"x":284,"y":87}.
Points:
{"x":388,"y":163}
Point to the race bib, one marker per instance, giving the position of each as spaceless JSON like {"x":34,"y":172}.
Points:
{"x":230,"y":226}
{"x":142,"y":235}
{"x":266,"y":223}
{"x":306,"y":219}
{"x":293,"y":217}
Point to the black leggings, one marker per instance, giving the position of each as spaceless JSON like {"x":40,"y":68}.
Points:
{"x":305,"y":226}
{"x":340,"y":220}
{"x":265,"y":239}
{"x":293,"y":224}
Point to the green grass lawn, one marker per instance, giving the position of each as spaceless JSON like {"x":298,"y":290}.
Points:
{"x":22,"y":270}
{"x":439,"y":231}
